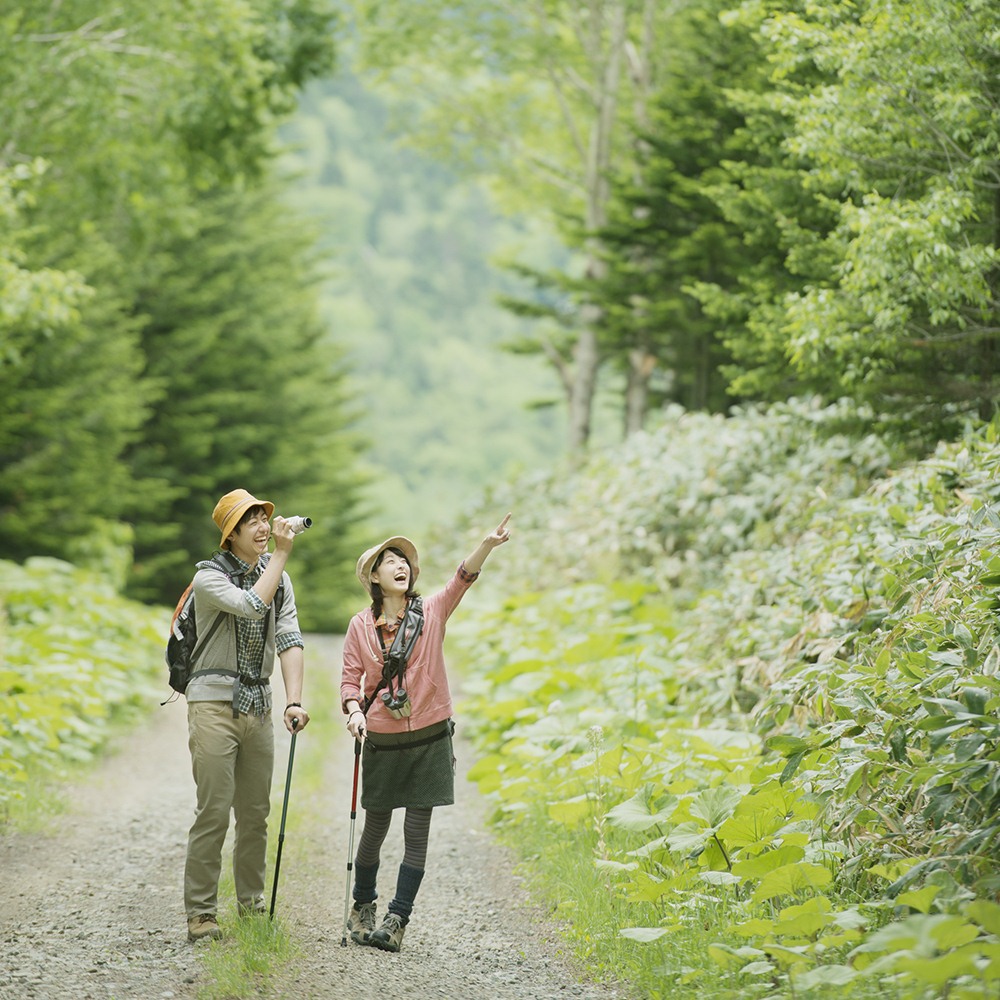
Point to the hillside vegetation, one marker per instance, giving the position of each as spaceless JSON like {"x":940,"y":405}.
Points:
{"x":744,"y":674}
{"x":734,"y":689}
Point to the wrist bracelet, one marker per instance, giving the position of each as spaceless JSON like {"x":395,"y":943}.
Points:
{"x":293,"y":704}
{"x":357,"y":711}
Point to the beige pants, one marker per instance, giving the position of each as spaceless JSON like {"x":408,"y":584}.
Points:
{"x":232,"y":761}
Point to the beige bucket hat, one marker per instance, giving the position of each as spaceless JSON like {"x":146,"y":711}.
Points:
{"x":369,"y":556}
{"x":232,"y":507}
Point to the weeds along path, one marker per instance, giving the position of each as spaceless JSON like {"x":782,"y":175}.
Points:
{"x":94,"y":909}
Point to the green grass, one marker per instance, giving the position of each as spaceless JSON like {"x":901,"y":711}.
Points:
{"x":251,"y":956}
{"x":41,"y":800}
{"x":587,"y":910}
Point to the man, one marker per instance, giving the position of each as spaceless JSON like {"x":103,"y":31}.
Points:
{"x":230,"y":733}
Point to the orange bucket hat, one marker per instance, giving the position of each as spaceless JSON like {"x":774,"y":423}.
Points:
{"x":232,"y":507}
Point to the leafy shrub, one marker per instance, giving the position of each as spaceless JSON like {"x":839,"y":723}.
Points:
{"x":795,"y":650}
{"x":74,"y":657}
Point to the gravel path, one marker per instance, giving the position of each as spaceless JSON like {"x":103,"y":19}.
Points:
{"x":94,"y":911}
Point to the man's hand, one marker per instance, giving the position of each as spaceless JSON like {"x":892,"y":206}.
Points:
{"x":296,"y":719}
{"x":281,"y":532}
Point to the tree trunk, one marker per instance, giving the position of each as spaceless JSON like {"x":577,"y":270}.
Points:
{"x":606,"y":61}
{"x":640,"y":369}
{"x":581,"y":401}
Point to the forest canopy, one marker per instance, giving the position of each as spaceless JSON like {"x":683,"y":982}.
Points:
{"x":738,"y":203}
{"x":161,"y":342}
{"x":762,"y":200}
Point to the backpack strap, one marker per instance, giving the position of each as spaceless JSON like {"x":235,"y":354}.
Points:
{"x":225,"y":562}
{"x":400,"y":650}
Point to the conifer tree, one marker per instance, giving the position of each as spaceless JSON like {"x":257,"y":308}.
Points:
{"x":250,"y":394}
{"x":132,"y":135}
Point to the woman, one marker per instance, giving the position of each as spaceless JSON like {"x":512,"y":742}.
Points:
{"x":394,"y":691}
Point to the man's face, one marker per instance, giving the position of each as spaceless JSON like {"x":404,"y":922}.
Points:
{"x":249,"y":540}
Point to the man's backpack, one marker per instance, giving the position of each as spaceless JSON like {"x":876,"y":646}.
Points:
{"x":183,"y":636}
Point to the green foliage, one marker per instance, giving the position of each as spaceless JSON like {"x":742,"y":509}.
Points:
{"x":510,"y":96}
{"x":887,"y":129}
{"x":74,"y":658}
{"x":68,"y":406}
{"x":161,"y":343}
{"x":666,"y":233}
{"x":233,"y":338}
{"x":805,"y":192}
{"x":38,"y":301}
{"x":765,"y":686}
{"x":539,"y":104}
{"x":68,"y":389}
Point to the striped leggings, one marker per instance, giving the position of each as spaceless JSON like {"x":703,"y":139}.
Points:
{"x":416,"y":831}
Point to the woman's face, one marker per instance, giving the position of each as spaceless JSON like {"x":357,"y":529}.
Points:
{"x":392,"y":573}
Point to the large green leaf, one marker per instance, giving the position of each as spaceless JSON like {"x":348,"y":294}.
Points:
{"x":768,"y":861}
{"x":716,"y":805}
{"x":791,"y":880}
{"x":635,"y":813}
{"x":825,"y":975}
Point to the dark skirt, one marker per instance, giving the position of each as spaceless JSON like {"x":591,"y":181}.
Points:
{"x":409,"y":769}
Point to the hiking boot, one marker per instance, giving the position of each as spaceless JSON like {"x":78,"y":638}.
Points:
{"x":203,"y":926}
{"x":361,"y":922}
{"x":255,"y":909}
{"x":389,"y":936}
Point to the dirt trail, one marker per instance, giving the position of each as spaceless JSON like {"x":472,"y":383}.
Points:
{"x":94,"y":911}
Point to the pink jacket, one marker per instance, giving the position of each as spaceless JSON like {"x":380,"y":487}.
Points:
{"x":426,"y":678}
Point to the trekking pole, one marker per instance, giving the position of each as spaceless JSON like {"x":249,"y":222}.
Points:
{"x":284,"y":812}
{"x":350,"y":842}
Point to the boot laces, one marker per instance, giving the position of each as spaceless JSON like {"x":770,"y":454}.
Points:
{"x":366,"y":915}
